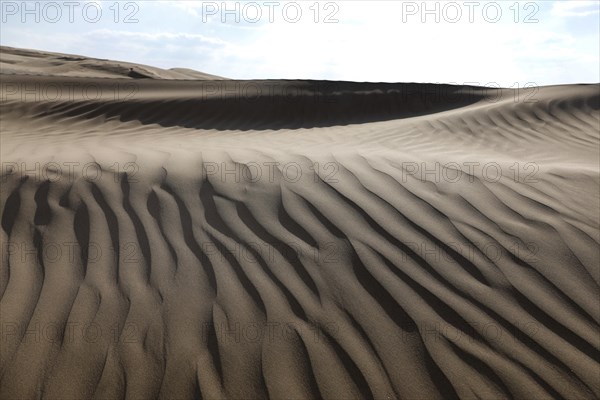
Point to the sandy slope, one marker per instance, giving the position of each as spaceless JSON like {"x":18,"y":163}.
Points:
{"x":296,"y":239}
{"x":34,"y":62}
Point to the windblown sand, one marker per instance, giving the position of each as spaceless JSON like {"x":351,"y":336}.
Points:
{"x":185,"y":236}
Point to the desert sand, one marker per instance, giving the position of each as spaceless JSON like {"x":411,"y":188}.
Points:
{"x":176,"y":235}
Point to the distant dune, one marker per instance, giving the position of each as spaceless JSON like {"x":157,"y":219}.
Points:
{"x":184,"y":236}
{"x":34,"y":62}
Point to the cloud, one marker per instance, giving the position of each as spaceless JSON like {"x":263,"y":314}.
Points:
{"x":368,"y":44}
{"x":157,"y":36}
{"x":573,"y":8}
{"x":191,"y":7}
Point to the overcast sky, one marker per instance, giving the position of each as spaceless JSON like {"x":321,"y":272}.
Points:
{"x":507,"y":42}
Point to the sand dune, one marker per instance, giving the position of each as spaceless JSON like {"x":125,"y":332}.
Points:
{"x":185,"y":239}
{"x":34,"y":62}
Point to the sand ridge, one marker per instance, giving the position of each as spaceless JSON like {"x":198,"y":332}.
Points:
{"x":337,"y":240}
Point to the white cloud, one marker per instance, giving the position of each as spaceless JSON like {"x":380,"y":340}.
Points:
{"x":155,"y":36}
{"x":191,"y":7}
{"x":573,"y":8}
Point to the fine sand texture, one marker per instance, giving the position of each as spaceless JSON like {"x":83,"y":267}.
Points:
{"x":168,"y":234}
